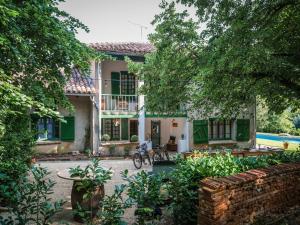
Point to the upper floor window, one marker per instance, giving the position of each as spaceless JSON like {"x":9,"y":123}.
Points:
{"x":123,"y":83}
{"x":127,"y":83}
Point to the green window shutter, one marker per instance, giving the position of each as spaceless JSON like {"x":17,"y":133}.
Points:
{"x":115,"y":83}
{"x":243,"y":130}
{"x":67,"y":130}
{"x":124,"y":127}
{"x":200,"y":131}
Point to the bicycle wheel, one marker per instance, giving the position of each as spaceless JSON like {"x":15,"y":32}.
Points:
{"x":137,"y":160}
{"x":167,"y":155}
{"x":157,"y":157}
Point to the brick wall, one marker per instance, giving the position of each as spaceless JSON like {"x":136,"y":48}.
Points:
{"x":247,"y":197}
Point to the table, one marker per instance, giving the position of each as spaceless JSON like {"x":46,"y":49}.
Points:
{"x":89,"y":204}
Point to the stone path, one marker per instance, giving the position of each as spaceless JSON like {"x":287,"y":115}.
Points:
{"x":63,"y":187}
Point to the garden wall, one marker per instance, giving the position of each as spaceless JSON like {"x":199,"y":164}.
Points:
{"x":256,"y":195}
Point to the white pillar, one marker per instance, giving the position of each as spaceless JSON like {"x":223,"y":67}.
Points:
{"x":141,"y":115}
{"x":187,"y":133}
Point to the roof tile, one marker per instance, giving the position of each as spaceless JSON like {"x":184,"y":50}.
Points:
{"x":79,"y":84}
{"x":130,"y":48}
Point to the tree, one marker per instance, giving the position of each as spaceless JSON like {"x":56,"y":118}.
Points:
{"x":235,"y":51}
{"x":37,"y":42}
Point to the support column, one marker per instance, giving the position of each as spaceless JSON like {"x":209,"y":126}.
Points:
{"x":96,"y":109}
{"x":141,"y":114}
{"x":187,"y":133}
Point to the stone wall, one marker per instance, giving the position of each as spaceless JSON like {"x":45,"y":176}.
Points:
{"x":245,"y":198}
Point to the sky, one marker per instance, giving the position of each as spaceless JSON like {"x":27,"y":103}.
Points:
{"x":113,"y":20}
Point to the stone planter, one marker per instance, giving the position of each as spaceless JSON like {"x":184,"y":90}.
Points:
{"x":90,"y":204}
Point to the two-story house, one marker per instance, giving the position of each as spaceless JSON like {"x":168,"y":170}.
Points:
{"x":107,"y":104}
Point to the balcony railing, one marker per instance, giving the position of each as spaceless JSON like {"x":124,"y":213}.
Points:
{"x":124,"y":103}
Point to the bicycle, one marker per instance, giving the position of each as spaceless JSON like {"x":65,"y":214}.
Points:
{"x":140,"y":156}
{"x":160,"y":153}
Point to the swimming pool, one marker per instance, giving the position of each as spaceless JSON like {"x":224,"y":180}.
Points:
{"x":278,"y":138}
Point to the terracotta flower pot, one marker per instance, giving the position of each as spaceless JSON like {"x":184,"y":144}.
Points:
{"x":90,"y":204}
{"x":285,"y":145}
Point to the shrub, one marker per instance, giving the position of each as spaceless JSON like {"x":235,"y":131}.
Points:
{"x":105,"y":137}
{"x":134,"y":138}
{"x":144,"y":191}
{"x":126,"y":150}
{"x":184,"y":180}
{"x":113,"y":207}
{"x":30,"y":199}
{"x":112,"y":149}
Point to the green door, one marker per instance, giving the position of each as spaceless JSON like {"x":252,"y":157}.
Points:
{"x":115,"y":83}
{"x":200,"y":131}
{"x":243,"y":130}
{"x":124,"y":129}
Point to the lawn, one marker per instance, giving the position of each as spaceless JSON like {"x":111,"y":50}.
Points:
{"x":292,"y":146}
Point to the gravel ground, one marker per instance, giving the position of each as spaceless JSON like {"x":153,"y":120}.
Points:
{"x":63,"y":187}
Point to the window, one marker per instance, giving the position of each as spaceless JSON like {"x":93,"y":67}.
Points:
{"x":127,"y":83}
{"x":220,"y":129}
{"x":112,"y":128}
{"x":133,"y":127}
{"x":47,"y":129}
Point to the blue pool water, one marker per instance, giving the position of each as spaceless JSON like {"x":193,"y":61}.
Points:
{"x":278,"y":138}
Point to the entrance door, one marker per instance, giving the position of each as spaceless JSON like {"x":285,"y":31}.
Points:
{"x":155,"y":133}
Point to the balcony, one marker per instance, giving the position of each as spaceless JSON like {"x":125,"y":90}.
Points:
{"x":119,"y":103}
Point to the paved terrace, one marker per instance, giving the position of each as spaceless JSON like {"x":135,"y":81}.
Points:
{"x":63,"y":187}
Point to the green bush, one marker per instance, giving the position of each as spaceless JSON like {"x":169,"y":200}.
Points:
{"x":184,"y":180}
{"x":29,"y":198}
{"x":112,"y":149}
{"x":134,"y":138}
{"x":113,"y":207}
{"x":126,"y":150}
{"x":143,"y":190}
{"x":105,"y":137}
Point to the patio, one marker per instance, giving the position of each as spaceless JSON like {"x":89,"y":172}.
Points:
{"x":63,"y":187}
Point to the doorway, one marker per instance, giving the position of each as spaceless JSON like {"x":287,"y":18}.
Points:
{"x":155,"y":133}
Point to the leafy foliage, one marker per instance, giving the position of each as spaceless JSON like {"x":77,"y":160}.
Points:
{"x":267,"y":121}
{"x":144,"y":191}
{"x":29,"y":198}
{"x":92,"y":177}
{"x":37,"y":43}
{"x":113,"y":207}
{"x":234,"y":51}
{"x":184,"y":180}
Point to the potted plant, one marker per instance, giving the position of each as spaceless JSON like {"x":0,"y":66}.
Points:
{"x":88,"y":190}
{"x":105,"y":137}
{"x":134,"y":138}
{"x":285,"y":145}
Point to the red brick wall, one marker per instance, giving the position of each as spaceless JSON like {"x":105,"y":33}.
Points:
{"x":246,"y":197}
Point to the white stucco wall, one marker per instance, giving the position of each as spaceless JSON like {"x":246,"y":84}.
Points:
{"x":167,"y":128}
{"x":247,"y":114}
{"x":82,"y":106}
{"x":107,"y":67}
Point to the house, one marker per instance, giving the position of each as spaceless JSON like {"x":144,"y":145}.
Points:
{"x":107,"y":105}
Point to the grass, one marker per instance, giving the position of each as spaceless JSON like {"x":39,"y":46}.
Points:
{"x":292,"y":146}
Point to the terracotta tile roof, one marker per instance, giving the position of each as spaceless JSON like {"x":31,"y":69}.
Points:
{"x":79,"y":84}
{"x":127,"y":48}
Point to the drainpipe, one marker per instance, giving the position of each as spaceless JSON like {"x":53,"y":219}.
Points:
{"x":254,"y":123}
